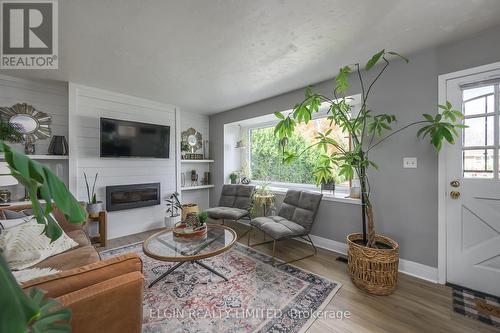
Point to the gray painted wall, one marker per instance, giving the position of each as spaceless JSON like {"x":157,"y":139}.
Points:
{"x":405,"y":200}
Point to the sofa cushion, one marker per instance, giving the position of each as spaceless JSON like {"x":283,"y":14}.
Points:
{"x":26,"y":245}
{"x":80,"y":256}
{"x":82,"y":276}
{"x":12,"y":223}
{"x":278,"y":227}
{"x":226,"y":213}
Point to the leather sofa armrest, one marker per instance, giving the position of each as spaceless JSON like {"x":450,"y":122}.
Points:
{"x":111,"y":306}
{"x":79,"y":278}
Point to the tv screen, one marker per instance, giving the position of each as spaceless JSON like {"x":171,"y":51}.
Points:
{"x":123,"y":138}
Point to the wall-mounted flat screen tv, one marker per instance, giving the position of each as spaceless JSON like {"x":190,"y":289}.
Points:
{"x":123,"y":138}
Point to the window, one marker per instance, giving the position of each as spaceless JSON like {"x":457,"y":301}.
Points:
{"x":480,"y":141}
{"x":265,"y":153}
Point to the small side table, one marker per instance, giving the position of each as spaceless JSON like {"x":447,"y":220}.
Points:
{"x":266,"y":202}
{"x":103,"y":221}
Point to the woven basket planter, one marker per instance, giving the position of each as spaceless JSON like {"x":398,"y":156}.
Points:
{"x":374,"y":271}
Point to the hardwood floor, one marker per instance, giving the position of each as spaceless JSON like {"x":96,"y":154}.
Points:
{"x":416,"y":306}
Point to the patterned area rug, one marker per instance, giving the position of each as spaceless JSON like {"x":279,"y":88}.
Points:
{"x":476,"y":305}
{"x":257,"y":298}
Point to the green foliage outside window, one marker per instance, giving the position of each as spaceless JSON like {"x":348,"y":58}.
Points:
{"x":266,"y":156}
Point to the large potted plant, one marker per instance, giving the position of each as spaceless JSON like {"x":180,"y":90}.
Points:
{"x":373,"y":259}
{"x":32,"y":312}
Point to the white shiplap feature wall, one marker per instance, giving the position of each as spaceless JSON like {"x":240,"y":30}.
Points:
{"x":86,"y":106}
{"x":50,"y":97}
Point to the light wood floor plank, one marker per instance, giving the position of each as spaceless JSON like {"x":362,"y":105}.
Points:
{"x":416,"y":306}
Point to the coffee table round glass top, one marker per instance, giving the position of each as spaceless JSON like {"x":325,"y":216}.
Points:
{"x":165,"y":246}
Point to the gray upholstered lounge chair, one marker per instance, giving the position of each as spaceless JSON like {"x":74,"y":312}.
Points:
{"x":234,"y":204}
{"x":295,"y":219}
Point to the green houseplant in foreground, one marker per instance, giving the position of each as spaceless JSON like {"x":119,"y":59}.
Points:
{"x":33,"y":313}
{"x":367,"y":131}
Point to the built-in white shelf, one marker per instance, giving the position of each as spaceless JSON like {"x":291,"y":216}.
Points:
{"x":44,"y":157}
{"x":199,"y":187}
{"x":197,"y":161}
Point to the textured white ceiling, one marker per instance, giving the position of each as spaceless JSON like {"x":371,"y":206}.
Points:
{"x":212,"y":55}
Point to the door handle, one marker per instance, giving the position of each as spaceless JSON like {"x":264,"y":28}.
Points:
{"x":455,"y":194}
{"x":455,"y":183}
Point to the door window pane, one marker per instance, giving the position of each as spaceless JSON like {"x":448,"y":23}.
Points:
{"x":478,"y":163}
{"x":475,"y":106}
{"x":479,"y":132}
{"x":475,"y":92}
{"x":490,"y":104}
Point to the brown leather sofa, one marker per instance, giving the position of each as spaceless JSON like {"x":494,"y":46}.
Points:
{"x":104,"y":295}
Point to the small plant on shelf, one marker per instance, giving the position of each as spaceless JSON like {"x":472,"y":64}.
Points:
{"x":233,"y":176}
{"x":327,"y":175}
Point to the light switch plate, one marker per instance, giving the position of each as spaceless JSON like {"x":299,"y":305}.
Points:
{"x":409,"y":162}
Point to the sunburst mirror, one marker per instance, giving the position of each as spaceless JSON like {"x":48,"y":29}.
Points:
{"x":193,"y":139}
{"x":32,"y":124}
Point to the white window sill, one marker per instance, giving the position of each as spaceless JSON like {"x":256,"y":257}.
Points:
{"x":337,"y":196}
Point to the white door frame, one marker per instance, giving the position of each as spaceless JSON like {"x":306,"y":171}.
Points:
{"x":442,"y":177}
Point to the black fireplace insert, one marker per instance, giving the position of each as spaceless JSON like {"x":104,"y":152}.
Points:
{"x":132,"y":196}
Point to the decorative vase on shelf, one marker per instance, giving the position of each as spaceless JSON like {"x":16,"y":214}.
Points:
{"x":58,"y":145}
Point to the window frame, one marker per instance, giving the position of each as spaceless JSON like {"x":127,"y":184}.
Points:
{"x":495,"y":147}
{"x":283,"y":186}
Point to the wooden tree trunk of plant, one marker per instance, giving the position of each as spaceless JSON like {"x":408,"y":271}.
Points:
{"x":371,"y":225}
{"x":367,"y":211}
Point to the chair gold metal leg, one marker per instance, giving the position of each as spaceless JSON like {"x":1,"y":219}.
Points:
{"x":308,"y":256}
{"x":249,"y":235}
{"x":274,"y":251}
{"x":243,"y":234}
{"x":314,"y":246}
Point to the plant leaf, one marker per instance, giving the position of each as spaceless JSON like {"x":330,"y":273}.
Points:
{"x":374,"y":59}
{"x":399,"y":55}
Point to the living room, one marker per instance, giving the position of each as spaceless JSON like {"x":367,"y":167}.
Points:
{"x":237,"y":166}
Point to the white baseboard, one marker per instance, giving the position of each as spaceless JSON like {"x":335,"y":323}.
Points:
{"x":408,"y":267}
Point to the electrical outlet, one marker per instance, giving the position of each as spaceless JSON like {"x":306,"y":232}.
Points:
{"x":409,"y":162}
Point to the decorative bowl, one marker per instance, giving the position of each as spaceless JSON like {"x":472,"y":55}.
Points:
{"x":182,"y":230}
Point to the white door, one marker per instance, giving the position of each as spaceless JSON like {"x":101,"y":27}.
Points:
{"x":473,"y":185}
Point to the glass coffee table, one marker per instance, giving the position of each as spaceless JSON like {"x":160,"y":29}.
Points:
{"x":164,"y":246}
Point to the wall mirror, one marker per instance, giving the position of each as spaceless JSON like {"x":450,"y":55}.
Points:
{"x":32,"y":124}
{"x":193,"y":139}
